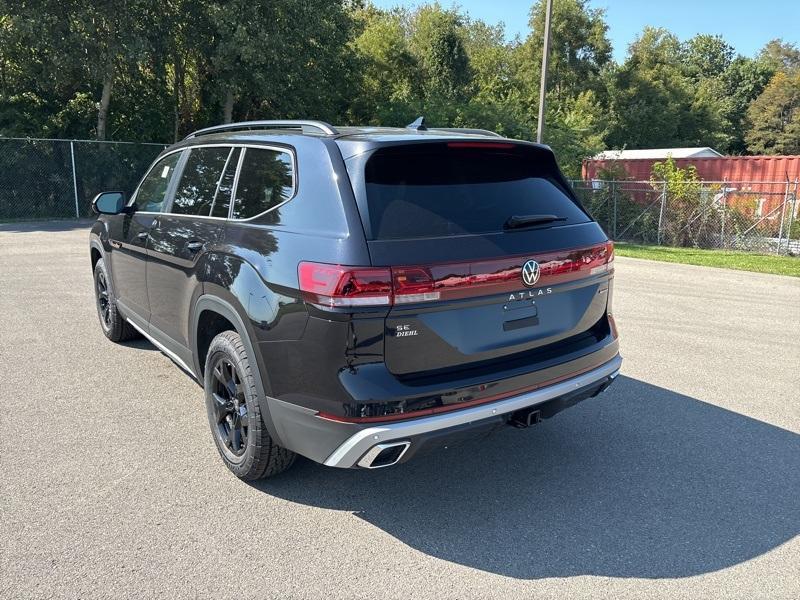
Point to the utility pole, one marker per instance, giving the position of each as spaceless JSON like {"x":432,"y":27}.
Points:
{"x":543,"y":83}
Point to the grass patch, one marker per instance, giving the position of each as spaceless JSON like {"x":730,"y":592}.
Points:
{"x":742,"y":261}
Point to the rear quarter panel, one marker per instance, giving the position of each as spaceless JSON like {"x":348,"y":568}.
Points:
{"x":255,"y":267}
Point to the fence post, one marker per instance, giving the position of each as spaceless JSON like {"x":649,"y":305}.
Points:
{"x":661,"y":212}
{"x":724,"y":210}
{"x":74,"y":179}
{"x":783,"y":215}
{"x":792,"y":210}
{"x":614,"y":195}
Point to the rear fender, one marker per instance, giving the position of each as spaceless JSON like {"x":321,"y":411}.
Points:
{"x":233,"y":313}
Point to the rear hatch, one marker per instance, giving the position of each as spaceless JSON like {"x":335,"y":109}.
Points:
{"x":490,"y":254}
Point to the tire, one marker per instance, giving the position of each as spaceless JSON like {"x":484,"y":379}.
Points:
{"x":113,"y":324}
{"x":234,"y":413}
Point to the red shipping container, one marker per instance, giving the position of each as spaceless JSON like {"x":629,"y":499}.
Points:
{"x":727,"y":168}
{"x":741,"y":173}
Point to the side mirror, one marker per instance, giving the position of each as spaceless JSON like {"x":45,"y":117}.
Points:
{"x":109,"y":203}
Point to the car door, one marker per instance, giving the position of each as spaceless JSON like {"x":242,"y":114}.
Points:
{"x":192,"y":224}
{"x":128,"y":238}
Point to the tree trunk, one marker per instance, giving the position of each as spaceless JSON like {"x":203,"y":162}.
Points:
{"x":105,"y":101}
{"x":179,"y":93}
{"x":227,"y":109}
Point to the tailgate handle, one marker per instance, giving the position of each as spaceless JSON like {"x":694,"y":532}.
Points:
{"x":520,"y":323}
{"x":194,"y":246}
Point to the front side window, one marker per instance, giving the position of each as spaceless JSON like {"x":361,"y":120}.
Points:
{"x":265,"y":181}
{"x":153,"y":190}
{"x":199,"y":181}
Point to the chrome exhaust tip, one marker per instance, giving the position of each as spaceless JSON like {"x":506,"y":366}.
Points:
{"x":384,"y":455}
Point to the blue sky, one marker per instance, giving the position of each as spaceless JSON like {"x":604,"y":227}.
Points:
{"x":745,"y":24}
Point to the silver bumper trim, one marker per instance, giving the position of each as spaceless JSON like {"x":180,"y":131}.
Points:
{"x":354,"y":447}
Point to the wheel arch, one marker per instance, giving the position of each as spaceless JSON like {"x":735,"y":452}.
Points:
{"x":96,"y":252}
{"x":215,"y":308}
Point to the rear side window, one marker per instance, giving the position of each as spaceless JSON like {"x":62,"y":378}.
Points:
{"x":222,"y":201}
{"x":199,"y":181}
{"x":265,"y":181}
{"x":151,"y":194}
{"x":460,"y":189}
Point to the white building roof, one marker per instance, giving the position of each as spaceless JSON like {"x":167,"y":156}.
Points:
{"x":658,"y":153}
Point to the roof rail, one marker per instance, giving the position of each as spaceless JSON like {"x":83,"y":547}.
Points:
{"x":467,"y":130}
{"x":281,"y":124}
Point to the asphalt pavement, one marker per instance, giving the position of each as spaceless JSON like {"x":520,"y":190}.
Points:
{"x":680,"y":481}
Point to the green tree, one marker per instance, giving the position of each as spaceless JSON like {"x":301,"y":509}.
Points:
{"x":90,"y":48}
{"x":390,"y":89}
{"x":579,"y":50}
{"x":707,"y":56}
{"x":655,"y":101}
{"x":437,"y":42}
{"x":690,"y":216}
{"x":780,"y":55}
{"x":576,"y":130}
{"x":491,"y":62}
{"x":742,"y":82}
{"x":278,"y":59}
{"x":650,"y":95}
{"x":774,"y":117}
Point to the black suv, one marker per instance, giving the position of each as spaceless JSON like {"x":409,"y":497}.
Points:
{"x":360,"y":295}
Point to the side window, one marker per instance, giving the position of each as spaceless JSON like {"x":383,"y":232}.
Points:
{"x":198,"y":184}
{"x":265,"y":181}
{"x":150,"y":196}
{"x":222,"y":201}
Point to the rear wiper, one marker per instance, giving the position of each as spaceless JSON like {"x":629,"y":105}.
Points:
{"x":521,"y":221}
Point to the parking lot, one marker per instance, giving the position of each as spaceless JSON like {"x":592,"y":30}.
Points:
{"x":682,"y":480}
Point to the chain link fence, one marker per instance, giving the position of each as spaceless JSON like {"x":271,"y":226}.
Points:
{"x":57,"y":179}
{"x":733,"y":215}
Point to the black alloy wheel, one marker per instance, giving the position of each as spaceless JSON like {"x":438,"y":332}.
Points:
{"x":103,"y":303}
{"x":113,"y":324}
{"x":234,"y":412}
{"x":230,"y":407}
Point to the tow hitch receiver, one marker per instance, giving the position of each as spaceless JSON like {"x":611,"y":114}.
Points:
{"x":525,"y":417}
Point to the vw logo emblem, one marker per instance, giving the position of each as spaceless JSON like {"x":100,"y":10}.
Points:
{"x":530,"y":273}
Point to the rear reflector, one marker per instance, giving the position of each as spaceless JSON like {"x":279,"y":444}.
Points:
{"x":339,"y":286}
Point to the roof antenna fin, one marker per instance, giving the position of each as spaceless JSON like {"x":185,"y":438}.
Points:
{"x":418,"y":125}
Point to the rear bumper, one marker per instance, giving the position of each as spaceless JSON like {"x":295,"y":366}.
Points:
{"x":344,"y":445}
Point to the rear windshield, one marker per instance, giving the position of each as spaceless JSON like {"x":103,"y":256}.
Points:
{"x":457,"y":189}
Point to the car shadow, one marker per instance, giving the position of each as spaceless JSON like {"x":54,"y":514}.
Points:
{"x":638,"y":482}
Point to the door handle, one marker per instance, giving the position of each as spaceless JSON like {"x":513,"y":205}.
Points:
{"x":142,"y":235}
{"x":194,"y":246}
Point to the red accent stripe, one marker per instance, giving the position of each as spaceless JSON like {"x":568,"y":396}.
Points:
{"x":479,"y":278}
{"x":426,"y":412}
{"x":343,"y":286}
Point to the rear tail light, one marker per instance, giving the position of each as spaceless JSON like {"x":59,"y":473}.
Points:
{"x":413,"y":284}
{"x":607,"y":258}
{"x":338,"y":286}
